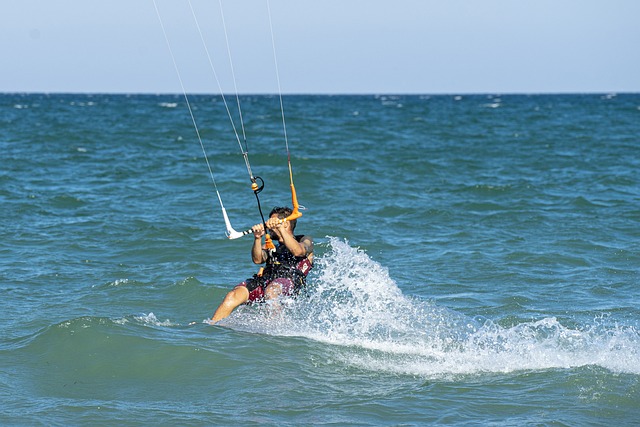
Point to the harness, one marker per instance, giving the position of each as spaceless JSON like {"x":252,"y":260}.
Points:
{"x":281,"y":263}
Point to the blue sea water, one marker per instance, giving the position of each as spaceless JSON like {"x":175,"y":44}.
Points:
{"x":477,"y":261}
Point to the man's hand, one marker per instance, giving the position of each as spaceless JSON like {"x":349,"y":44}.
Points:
{"x":276,"y":224}
{"x":258,"y":231}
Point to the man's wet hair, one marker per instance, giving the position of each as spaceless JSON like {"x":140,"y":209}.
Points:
{"x":284,"y":212}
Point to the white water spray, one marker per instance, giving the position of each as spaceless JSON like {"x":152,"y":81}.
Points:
{"x":354,"y":305}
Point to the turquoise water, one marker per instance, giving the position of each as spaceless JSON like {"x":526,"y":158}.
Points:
{"x":478,"y":261}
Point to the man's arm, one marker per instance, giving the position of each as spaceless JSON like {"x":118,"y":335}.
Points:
{"x":302,"y":248}
{"x":307,"y":243}
{"x":258,"y":255}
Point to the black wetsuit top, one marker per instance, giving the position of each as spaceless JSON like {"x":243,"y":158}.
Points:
{"x":281,"y":263}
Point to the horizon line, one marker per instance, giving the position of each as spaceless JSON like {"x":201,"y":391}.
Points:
{"x":230,"y":94}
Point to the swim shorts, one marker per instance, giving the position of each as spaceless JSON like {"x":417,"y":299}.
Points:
{"x":257,"y":286}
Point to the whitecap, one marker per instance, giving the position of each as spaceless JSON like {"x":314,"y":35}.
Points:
{"x":151,"y":319}
{"x":119,"y":282}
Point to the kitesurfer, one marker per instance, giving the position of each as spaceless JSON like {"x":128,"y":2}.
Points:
{"x":286,"y":266}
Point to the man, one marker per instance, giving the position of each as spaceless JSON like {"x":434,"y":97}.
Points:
{"x":286,"y":267}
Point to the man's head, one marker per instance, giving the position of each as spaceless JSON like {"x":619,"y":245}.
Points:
{"x":282,"y":213}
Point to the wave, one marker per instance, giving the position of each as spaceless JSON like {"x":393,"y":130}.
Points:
{"x":354,"y":314}
{"x":355,"y":306}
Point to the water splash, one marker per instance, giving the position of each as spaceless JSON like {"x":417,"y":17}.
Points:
{"x":355,"y":306}
{"x":151,"y":320}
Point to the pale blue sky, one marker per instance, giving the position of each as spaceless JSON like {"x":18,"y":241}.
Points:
{"x":329,"y":46}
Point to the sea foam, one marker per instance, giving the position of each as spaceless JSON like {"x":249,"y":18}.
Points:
{"x":356,"y":307}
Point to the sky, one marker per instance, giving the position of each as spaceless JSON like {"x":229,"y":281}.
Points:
{"x":321,"y":47}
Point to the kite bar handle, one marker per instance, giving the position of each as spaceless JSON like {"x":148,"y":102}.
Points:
{"x":294,"y":201}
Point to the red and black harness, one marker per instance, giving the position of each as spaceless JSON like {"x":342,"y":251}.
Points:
{"x":282,"y":264}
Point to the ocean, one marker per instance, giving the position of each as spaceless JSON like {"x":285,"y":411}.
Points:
{"x":477,"y":261}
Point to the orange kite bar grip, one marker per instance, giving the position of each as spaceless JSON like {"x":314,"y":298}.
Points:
{"x":294,"y":201}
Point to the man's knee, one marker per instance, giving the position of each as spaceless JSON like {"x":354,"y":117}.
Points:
{"x":280,"y":286}
{"x":237,"y":296}
{"x":273,"y":290}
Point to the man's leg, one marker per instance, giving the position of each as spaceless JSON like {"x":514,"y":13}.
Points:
{"x":239,"y":295}
{"x":272,"y":291}
{"x":276,"y":288}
